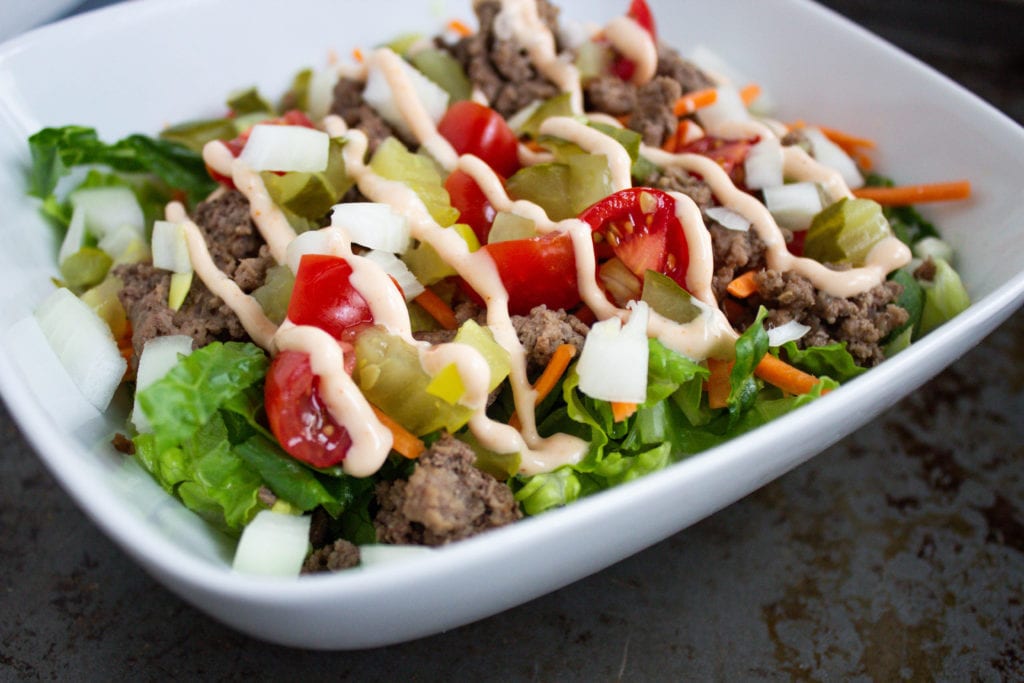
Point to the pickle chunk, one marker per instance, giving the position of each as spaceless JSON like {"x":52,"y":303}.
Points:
{"x":846,"y":232}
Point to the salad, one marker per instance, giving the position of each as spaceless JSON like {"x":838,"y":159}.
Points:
{"x":462,"y":278}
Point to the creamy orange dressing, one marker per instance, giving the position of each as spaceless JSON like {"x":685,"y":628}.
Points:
{"x":634,"y":43}
{"x":473,"y":370}
{"x":595,"y":142}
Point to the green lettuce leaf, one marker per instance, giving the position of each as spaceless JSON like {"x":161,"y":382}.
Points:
{"x":832,"y":360}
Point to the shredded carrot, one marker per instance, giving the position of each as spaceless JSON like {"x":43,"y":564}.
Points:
{"x":460,"y":28}
{"x":845,"y":140}
{"x":692,"y":101}
{"x":676,"y":141}
{"x":744,"y":285}
{"x":912,"y":194}
{"x":718,"y":383}
{"x":621,"y":410}
{"x":403,"y":441}
{"x":357,"y":55}
{"x":784,"y":376}
{"x":438,"y":309}
{"x":623,"y":119}
{"x":862,"y":160}
{"x":749,"y":93}
{"x":548,"y":379}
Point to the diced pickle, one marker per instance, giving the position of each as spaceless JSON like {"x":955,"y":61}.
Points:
{"x":668,"y":299}
{"x":195,"y":134}
{"x":310,"y":195}
{"x":104,"y":301}
{"x":394,"y":162}
{"x":389,"y":374}
{"x":444,"y":70}
{"x":275,"y":292}
{"x":509,"y":226}
{"x":563,"y":190}
{"x":846,"y":231}
{"x":249,"y":101}
{"x":85,"y":268}
{"x":482,"y":339}
{"x":559,"y":105}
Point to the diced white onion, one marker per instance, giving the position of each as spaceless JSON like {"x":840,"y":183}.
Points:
{"x":396,"y":268}
{"x":727,"y":107}
{"x":373,"y":225}
{"x":790,"y":331}
{"x":74,"y":238}
{"x":286,"y":148}
{"x":320,"y":94}
{"x":125,"y":243}
{"x":84,"y":344}
{"x":613,"y":363}
{"x":763,"y":166}
{"x":519,"y":119}
{"x":159,"y":355}
{"x":309,"y":242}
{"x":795,"y":205}
{"x":832,"y":155}
{"x":273,"y":544}
{"x":108,"y":208}
{"x":379,"y":96}
{"x":170,"y":247}
{"x":728,"y":218}
{"x":934,"y":247}
{"x":377,"y":554}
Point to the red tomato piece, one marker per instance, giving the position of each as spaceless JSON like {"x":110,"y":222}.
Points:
{"x":641,"y":226}
{"x":729,"y":154}
{"x":540,"y":270}
{"x":298,"y":417}
{"x":470,"y":200}
{"x":472,"y":128}
{"x":640,"y":13}
{"x":324,"y":297}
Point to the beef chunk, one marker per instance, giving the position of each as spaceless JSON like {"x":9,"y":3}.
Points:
{"x":350,"y":105}
{"x":674,"y":179}
{"x":500,"y":67}
{"x":734,"y":252}
{"x":654,"y":117}
{"x":331,"y":558}
{"x":543,"y":331}
{"x":862,"y":321}
{"x":231,"y":236}
{"x":682,"y":71}
{"x":611,"y":95}
{"x":445,"y":499}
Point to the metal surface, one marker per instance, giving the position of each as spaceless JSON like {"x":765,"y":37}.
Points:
{"x":897,"y":554}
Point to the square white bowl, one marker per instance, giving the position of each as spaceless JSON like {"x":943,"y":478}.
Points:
{"x":139,"y":66}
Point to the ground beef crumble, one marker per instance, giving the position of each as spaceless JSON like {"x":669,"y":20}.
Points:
{"x":340,"y":554}
{"x":445,"y":499}
{"x":543,"y":331}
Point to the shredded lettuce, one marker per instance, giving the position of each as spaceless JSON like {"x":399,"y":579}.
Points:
{"x":832,"y":360}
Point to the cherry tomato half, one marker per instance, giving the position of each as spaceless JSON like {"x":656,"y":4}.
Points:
{"x":540,"y":270}
{"x":640,"y":13}
{"x":472,"y":128}
{"x":470,"y":200}
{"x":324,"y":297}
{"x":729,"y":154}
{"x":297,"y":415}
{"x":641,"y":226}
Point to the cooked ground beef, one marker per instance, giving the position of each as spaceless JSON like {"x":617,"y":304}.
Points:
{"x":926,"y":271}
{"x":331,"y":558}
{"x":543,"y":331}
{"x":682,"y":71}
{"x":610,"y":94}
{"x":445,"y":499}
{"x":861,"y":321}
{"x":236,"y":247}
{"x":501,"y":68}
{"x":350,"y":105}
{"x":674,"y":179}
{"x":734,"y":252}
{"x":654,"y":116}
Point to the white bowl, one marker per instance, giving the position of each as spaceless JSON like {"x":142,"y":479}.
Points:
{"x":139,"y":66}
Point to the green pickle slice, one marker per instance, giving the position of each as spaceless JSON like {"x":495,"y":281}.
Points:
{"x":846,"y":231}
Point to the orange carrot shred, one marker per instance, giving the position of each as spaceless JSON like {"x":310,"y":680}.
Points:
{"x":912,"y":194}
{"x":621,"y":410}
{"x":749,"y":93}
{"x":744,"y":285}
{"x":862,"y":160}
{"x":692,"y":101}
{"x":718,"y":382}
{"x":403,"y":441}
{"x":548,"y":379}
{"x":784,"y":376}
{"x":357,"y":55}
{"x":845,"y":140}
{"x":438,"y":309}
{"x":459,"y":28}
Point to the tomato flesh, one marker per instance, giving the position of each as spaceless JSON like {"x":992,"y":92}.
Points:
{"x":729,"y":154}
{"x":470,"y":200}
{"x":641,"y":227}
{"x":472,"y":128}
{"x":535,"y":271}
{"x":640,"y":13}
{"x":298,"y":417}
{"x":323,"y":296}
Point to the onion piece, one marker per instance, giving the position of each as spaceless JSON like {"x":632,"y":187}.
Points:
{"x":273,"y":544}
{"x":320,"y":93}
{"x":159,"y":355}
{"x":84,"y":344}
{"x":74,"y":238}
{"x":728,"y":107}
{"x":613,"y":363}
{"x":309,"y":242}
{"x":728,"y":218}
{"x":935,"y":248}
{"x":286,"y":148}
{"x":832,"y":155}
{"x":787,"y":332}
{"x":396,"y":268}
{"x":794,"y":205}
{"x":379,"y":96}
{"x":107,"y":208}
{"x":170,"y":247}
{"x":763,"y":165}
{"x":373,"y":225}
